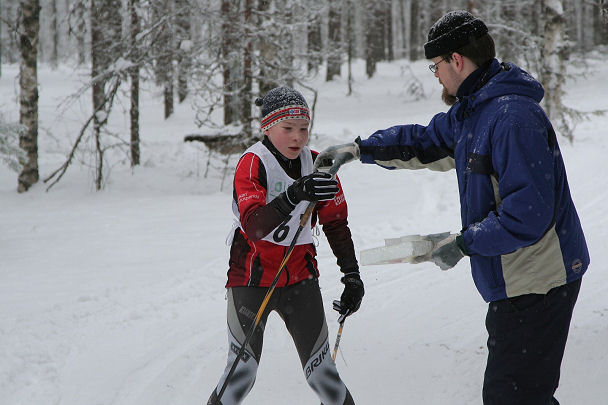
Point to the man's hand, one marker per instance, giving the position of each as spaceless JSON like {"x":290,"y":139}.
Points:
{"x":337,"y":155}
{"x":350,"y":301}
{"x":445,"y":253}
{"x":317,"y":186}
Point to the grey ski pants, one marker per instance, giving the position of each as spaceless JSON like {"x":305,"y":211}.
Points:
{"x":301,"y":308}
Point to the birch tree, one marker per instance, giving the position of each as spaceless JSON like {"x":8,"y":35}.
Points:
{"x":77,"y":28}
{"x":555,"y":53}
{"x":54,"y":56}
{"x":184,"y":46}
{"x":334,"y":40}
{"x":350,"y":44}
{"x":134,"y":25}
{"x":28,"y":96}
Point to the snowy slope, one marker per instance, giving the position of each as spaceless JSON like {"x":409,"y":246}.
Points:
{"x":117,"y":297}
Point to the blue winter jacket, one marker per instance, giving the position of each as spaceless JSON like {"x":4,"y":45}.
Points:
{"x":520,"y":226}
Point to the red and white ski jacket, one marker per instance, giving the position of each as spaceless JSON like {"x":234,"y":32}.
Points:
{"x":259,"y":243}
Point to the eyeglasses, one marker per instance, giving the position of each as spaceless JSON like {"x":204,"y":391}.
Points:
{"x":433,"y":67}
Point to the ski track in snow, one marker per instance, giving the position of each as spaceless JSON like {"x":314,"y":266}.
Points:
{"x":117,"y":297}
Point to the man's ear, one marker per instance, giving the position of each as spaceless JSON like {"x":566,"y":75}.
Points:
{"x":459,"y":59}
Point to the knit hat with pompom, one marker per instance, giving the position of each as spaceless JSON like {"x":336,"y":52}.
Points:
{"x":282,"y":103}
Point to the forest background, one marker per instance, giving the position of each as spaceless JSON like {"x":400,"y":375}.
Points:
{"x":111,"y":282}
{"x":219,"y":55}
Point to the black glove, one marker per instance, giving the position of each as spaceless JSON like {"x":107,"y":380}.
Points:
{"x":350,"y":301}
{"x":318,"y":186}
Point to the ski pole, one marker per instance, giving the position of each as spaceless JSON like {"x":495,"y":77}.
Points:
{"x":339,"y":336}
{"x":258,"y":317}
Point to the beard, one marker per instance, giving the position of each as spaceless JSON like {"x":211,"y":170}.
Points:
{"x":448,"y":98}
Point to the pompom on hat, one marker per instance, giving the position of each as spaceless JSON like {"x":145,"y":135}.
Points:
{"x":282,"y":103}
{"x":453,"y":31}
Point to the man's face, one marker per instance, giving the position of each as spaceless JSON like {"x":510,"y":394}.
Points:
{"x":448,"y":78}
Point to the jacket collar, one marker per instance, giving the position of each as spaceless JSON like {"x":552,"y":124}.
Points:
{"x":473,"y":84}
{"x":475,"y":80}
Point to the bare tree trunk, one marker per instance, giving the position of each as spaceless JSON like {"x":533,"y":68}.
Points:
{"x":388,"y":32}
{"x":28,"y":97}
{"x":134,"y":117}
{"x":134,"y":75}
{"x":168,"y":98}
{"x":164,"y":50}
{"x":81,"y":38}
{"x":1,"y":25}
{"x":77,"y":27}
{"x":265,"y":82}
{"x":404,"y":41}
{"x":600,"y":24}
{"x":415,"y":43}
{"x":230,"y":100}
{"x":97,"y":66}
{"x":169,"y":74}
{"x":287,"y":57}
{"x":588,"y":16}
{"x":54,"y":36}
{"x":106,"y":25}
{"x":374,"y":36}
{"x":333,"y":40}
{"x":314,"y":43}
{"x":537,"y":18}
{"x":246,"y":94}
{"x":436,"y":11}
{"x":350,"y":39}
{"x":554,"y":54}
{"x":603,"y":17}
{"x":508,"y":11}
{"x":184,"y":43}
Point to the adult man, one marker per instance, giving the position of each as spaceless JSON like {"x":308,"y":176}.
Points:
{"x":520,"y":227}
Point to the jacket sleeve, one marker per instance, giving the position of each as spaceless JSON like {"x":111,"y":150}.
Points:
{"x":258,"y":219}
{"x":333,"y":216}
{"x":522,"y":157}
{"x":412,"y":146}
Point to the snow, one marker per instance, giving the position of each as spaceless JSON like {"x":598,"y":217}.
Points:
{"x":117,"y":297}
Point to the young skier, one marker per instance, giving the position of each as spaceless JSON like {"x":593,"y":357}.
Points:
{"x":273,"y":184}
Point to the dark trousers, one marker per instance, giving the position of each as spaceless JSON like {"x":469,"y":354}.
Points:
{"x":526,"y":341}
{"x":301,"y":308}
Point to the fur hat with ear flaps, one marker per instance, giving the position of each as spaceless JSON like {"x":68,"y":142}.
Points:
{"x":453,"y":31}
{"x":282,"y":103}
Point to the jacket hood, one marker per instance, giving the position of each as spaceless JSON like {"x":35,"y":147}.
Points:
{"x":506,"y":80}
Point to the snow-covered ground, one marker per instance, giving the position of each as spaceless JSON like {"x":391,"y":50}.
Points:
{"x":117,"y":297}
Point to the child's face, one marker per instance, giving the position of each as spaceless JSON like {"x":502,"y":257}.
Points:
{"x":289,"y":137}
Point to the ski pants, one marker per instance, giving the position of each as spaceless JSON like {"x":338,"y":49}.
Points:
{"x":526,"y":341}
{"x":301,"y":308}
